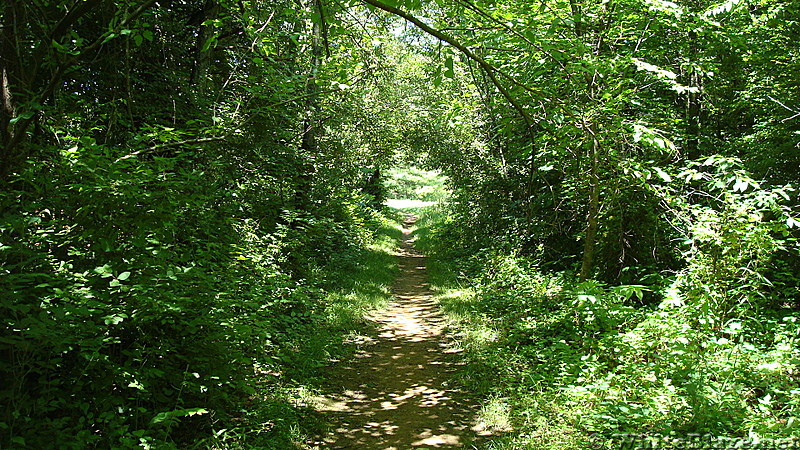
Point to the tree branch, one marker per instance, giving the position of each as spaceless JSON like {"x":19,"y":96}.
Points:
{"x":76,"y":12}
{"x":511,"y":30}
{"x":490,"y":70}
{"x":169,"y":145}
{"x":25,"y":121}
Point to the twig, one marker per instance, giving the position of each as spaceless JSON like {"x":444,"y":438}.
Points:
{"x":168,"y":145}
{"x":796,"y":112}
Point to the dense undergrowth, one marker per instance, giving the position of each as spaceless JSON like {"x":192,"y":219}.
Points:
{"x":588,"y":365}
{"x":185,"y":221}
{"x":188,"y":194}
{"x":163,"y":315}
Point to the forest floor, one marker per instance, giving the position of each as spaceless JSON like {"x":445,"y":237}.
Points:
{"x":398,"y":391}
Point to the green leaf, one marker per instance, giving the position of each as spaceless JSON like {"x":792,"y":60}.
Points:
{"x":165,"y":416}
{"x":109,"y":37}
{"x":23,"y":116}
{"x":721,"y":8}
{"x":782,"y":193}
{"x":210,"y":42}
{"x":741,"y":185}
{"x":104,"y":271}
{"x":124,"y":276}
{"x":114,"y":319}
{"x":659,"y":72}
{"x":663,"y":175}
{"x":448,"y":64}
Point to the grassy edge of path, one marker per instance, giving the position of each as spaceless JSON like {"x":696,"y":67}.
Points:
{"x":531,"y":418}
{"x":572,"y":365}
{"x":351,"y":292}
{"x":277,"y":415}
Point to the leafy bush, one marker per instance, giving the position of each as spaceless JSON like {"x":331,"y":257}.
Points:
{"x":142,"y":307}
{"x":415,"y":184}
{"x":578,"y":363}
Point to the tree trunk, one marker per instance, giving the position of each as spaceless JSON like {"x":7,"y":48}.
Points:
{"x":693,"y":116}
{"x":9,"y":83}
{"x":202,"y":59}
{"x":593,"y":212}
{"x":311,"y":122}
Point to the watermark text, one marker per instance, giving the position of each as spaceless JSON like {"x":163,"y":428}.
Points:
{"x":633,"y":441}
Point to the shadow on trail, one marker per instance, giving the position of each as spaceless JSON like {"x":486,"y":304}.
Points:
{"x":396,"y":393}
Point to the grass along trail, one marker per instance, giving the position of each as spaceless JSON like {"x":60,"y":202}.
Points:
{"x":397,"y":392}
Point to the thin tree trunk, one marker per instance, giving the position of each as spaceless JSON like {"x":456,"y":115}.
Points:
{"x":311,"y":122}
{"x":593,"y":212}
{"x":9,"y":76}
{"x":693,"y":117}
{"x":202,"y":59}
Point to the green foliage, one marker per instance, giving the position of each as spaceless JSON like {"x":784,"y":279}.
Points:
{"x":147,"y":336}
{"x":117,"y":323}
{"x":190,"y":196}
{"x":415,"y":184}
{"x":577,"y":363}
{"x":658,"y":155}
{"x":735,"y":238}
{"x":171,"y":245}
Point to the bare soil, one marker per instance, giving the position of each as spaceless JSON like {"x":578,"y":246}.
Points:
{"x":398,"y":390}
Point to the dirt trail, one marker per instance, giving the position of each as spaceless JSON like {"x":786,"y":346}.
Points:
{"x":397,"y":392}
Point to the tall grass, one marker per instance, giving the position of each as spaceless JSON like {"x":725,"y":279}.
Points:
{"x":364,"y":286}
{"x":566,"y":365}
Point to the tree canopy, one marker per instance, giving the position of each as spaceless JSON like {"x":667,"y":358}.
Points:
{"x":184,"y":183}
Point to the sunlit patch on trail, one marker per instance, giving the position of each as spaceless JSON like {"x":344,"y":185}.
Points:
{"x":438,"y":441}
{"x":405,"y":203}
{"x":396,"y":393}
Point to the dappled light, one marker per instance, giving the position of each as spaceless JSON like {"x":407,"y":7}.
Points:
{"x":406,"y":203}
{"x":399,"y":224}
{"x":398,"y":391}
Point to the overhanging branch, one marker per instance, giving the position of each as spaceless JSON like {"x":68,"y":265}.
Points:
{"x":44,"y":95}
{"x":490,"y":70}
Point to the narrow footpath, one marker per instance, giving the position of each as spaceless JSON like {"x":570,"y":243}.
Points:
{"x":397,"y":392}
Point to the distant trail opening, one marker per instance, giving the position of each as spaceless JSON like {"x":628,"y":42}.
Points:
{"x":397,"y":393}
